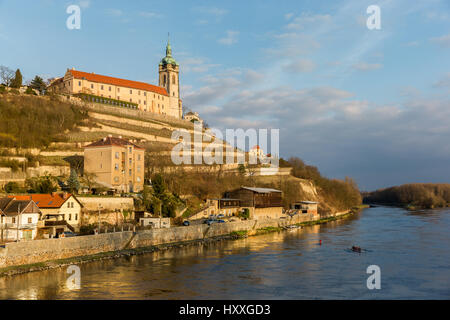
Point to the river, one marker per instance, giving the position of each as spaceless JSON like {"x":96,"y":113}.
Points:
{"x":411,"y":249}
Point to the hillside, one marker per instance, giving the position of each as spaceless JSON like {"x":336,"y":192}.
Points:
{"x":417,"y":195}
{"x":46,"y":130}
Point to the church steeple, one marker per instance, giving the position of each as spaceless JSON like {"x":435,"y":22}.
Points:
{"x":168,"y":59}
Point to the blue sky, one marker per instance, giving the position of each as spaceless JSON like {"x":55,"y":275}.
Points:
{"x":370,"y":104}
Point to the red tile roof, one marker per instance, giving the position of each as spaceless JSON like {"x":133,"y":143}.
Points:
{"x":113,"y":141}
{"x":118,"y":82}
{"x":48,"y":200}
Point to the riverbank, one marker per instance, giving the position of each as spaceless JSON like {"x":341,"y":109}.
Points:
{"x":136,"y":246}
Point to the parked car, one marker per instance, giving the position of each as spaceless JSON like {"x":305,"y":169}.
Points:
{"x":220,"y":216}
{"x":210,"y":222}
{"x":220,"y":221}
{"x":186,"y":223}
{"x":66,"y":234}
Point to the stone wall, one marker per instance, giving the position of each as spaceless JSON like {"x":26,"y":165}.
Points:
{"x":30,"y":252}
{"x":106,"y":203}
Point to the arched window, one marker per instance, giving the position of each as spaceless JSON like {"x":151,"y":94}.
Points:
{"x":173,"y":79}
{"x":164,"y":80}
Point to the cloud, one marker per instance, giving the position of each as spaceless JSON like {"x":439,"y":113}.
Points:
{"x":443,"y":41}
{"x":214,"y":11}
{"x":149,"y":14}
{"x":114,"y":12}
{"x":196,"y":65}
{"x":363,"y":66}
{"x":84,"y":4}
{"x":300,"y":66}
{"x":230,"y":38}
{"x":307,"y":19}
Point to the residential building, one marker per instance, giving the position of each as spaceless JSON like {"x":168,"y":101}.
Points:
{"x":18,"y":219}
{"x":193,"y":116}
{"x":58,"y":210}
{"x":156,"y":223}
{"x":116,"y":163}
{"x":261,"y":202}
{"x":161,"y":99}
{"x":305,"y":206}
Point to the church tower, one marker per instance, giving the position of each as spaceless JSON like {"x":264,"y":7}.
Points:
{"x":169,"y":71}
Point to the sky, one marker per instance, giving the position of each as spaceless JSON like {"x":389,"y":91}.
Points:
{"x":371,"y":104}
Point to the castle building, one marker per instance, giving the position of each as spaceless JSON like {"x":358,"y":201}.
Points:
{"x":161,"y":99}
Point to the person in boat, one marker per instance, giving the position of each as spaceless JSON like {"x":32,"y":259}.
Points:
{"x":356,"y":249}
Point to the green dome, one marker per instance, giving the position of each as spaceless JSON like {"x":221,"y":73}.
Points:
{"x":168,"y":59}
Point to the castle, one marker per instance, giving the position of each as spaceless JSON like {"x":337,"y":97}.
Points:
{"x":161,"y":99}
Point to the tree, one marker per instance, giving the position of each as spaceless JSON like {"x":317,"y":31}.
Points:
{"x":89,"y":179}
{"x":45,"y":184}
{"x":17,"y":81}
{"x":38,"y":84}
{"x":6,"y":75}
{"x":12,"y":187}
{"x":72,"y":182}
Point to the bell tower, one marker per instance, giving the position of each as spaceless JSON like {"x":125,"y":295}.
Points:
{"x":169,"y":71}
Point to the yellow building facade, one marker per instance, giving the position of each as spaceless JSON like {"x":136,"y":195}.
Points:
{"x":116,"y":163}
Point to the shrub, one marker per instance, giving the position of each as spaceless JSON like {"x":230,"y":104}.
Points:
{"x":13,"y":187}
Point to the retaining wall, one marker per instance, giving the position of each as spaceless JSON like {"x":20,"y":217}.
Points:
{"x":30,"y":252}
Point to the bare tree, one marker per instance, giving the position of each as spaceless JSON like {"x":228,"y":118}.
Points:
{"x":6,"y":75}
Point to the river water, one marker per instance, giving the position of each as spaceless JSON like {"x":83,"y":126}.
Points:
{"x":411,"y":249}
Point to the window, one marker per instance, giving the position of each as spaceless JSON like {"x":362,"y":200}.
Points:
{"x":131,"y":100}
{"x":145,"y":94}
{"x":70,"y":217}
{"x":138,"y":168}
{"x":101,"y":87}
{"x":173,"y":79}
{"x":118,"y":89}
{"x":116,"y":179}
{"x":109,"y":88}
{"x":131,"y":91}
{"x":92,"y":86}
{"x":101,"y":166}
{"x":164,"y":81}
{"x":129,"y":172}
{"x":139,"y":157}
{"x":117,"y":155}
{"x":30,"y":220}
{"x":118,"y":97}
{"x":130,"y":161}
{"x":76,"y":216}
{"x":79,"y":83}
{"x":138,"y":179}
{"x":145,"y":102}
{"x":130,"y":149}
{"x":13,"y":220}
{"x":139,"y":93}
{"x":116,"y":166}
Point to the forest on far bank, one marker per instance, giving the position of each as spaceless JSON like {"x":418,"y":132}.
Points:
{"x":419,"y":195}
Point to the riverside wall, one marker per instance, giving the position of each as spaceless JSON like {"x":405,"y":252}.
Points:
{"x":31,"y":252}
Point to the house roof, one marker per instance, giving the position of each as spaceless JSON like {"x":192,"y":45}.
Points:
{"x":307,"y":202}
{"x":113,"y":141}
{"x":118,"y":82}
{"x":261,"y":190}
{"x":14,"y":206}
{"x":46,"y":200}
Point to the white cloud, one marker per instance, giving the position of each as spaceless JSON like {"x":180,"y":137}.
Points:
{"x":230,"y":38}
{"x":306,"y":19}
{"x":84,"y":4}
{"x":301,"y":65}
{"x":363,"y":66}
{"x":443,"y":41}
{"x":149,"y":14}
{"x":114,"y":12}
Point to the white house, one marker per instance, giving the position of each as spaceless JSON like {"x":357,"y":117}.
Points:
{"x":18,"y":219}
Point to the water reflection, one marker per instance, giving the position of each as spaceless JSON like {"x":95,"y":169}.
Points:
{"x":410,"y":247}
